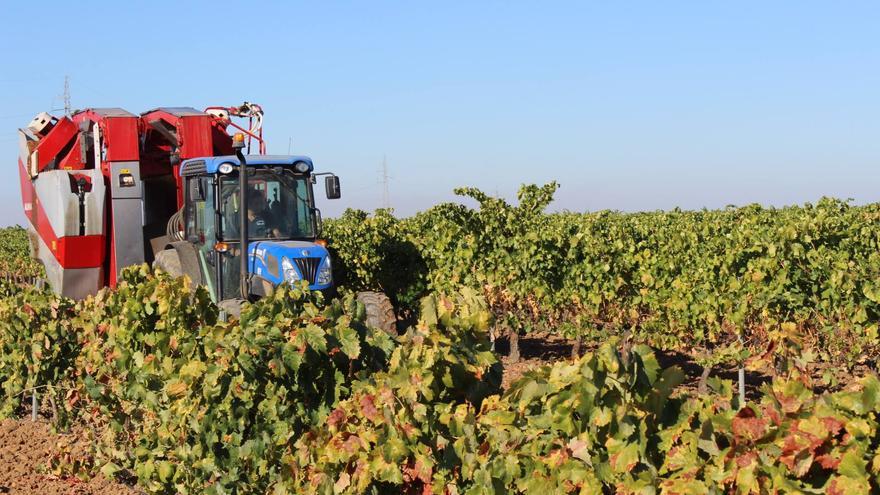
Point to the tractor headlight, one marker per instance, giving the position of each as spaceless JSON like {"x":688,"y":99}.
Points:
{"x":301,"y":167}
{"x":289,"y":271}
{"x":325,"y":273}
{"x":225,"y":168}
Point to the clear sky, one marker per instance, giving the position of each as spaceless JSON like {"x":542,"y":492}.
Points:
{"x":629,"y":105}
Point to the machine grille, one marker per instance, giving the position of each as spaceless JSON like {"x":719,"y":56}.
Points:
{"x":308,"y":267}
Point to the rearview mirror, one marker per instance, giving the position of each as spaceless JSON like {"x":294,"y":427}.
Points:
{"x":331,"y":184}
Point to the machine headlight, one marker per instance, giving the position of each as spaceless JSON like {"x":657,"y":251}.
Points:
{"x":301,"y":167}
{"x":325,"y":273}
{"x":289,"y":271}
{"x":225,"y":168}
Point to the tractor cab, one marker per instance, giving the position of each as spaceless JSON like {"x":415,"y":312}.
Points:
{"x":277,"y":208}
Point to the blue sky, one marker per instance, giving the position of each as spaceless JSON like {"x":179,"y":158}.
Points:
{"x":629,"y":105}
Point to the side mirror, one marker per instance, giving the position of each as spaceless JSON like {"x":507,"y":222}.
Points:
{"x":331,"y":184}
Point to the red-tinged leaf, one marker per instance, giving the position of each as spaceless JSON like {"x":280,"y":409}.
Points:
{"x":799,"y":463}
{"x":794,"y":443}
{"x":368,"y":408}
{"x":407,"y":429}
{"x":351,"y":444}
{"x":833,"y":425}
{"x":828,"y":461}
{"x":626,"y":459}
{"x":746,"y":425}
{"x":773,"y":414}
{"x":386,"y":396}
{"x":484,"y":449}
{"x":336,"y":418}
{"x":423,"y":471}
{"x":746,"y":459}
{"x":342,"y":483}
{"x":788,"y":404}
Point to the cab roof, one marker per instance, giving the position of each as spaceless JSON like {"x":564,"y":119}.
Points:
{"x":209,"y":165}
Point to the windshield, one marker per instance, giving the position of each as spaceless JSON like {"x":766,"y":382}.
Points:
{"x":279,"y":206}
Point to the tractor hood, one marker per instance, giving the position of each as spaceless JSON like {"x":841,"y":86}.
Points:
{"x":277,"y":262}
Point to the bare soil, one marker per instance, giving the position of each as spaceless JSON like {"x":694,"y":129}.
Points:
{"x":26,"y":448}
{"x":534,"y":352}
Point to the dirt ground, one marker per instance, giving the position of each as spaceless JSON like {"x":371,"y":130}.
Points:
{"x":535,"y":351}
{"x":25,"y":451}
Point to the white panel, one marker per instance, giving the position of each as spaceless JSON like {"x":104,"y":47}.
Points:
{"x":23,"y":150}
{"x":95,"y":204}
{"x":61,"y":204}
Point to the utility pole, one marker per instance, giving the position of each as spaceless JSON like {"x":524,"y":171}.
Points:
{"x":386,"y":199}
{"x":289,"y":144}
{"x":66,"y":96}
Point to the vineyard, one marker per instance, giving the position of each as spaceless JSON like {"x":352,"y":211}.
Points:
{"x":299,"y":395}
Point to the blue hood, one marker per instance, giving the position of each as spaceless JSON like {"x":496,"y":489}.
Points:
{"x":266,"y":260}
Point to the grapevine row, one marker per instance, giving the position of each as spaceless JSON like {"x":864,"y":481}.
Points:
{"x":300,"y":397}
{"x":727,"y":284}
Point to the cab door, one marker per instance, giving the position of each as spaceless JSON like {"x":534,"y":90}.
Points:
{"x":200,"y":227}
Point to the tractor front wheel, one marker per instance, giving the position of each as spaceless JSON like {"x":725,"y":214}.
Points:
{"x":380,"y":311}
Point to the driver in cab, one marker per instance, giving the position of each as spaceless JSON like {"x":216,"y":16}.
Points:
{"x":260,"y":219}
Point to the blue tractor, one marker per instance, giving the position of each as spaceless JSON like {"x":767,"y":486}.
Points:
{"x":264,"y":202}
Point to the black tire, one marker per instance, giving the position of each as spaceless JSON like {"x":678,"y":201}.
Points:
{"x":168,"y":261}
{"x":380,"y":311}
{"x":178,"y":260}
{"x":232,"y":307}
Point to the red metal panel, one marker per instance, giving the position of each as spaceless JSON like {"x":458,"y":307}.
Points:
{"x":49,"y":147}
{"x":195,"y":133}
{"x":189,"y":135}
{"x":121,"y":138}
{"x":73,"y":159}
{"x":85,"y":251}
{"x":222,"y":141}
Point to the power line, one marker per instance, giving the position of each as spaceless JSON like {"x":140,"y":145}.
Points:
{"x":16,"y":116}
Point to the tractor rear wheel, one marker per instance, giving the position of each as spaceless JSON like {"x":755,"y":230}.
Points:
{"x":232,"y":307}
{"x":380,"y":311}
